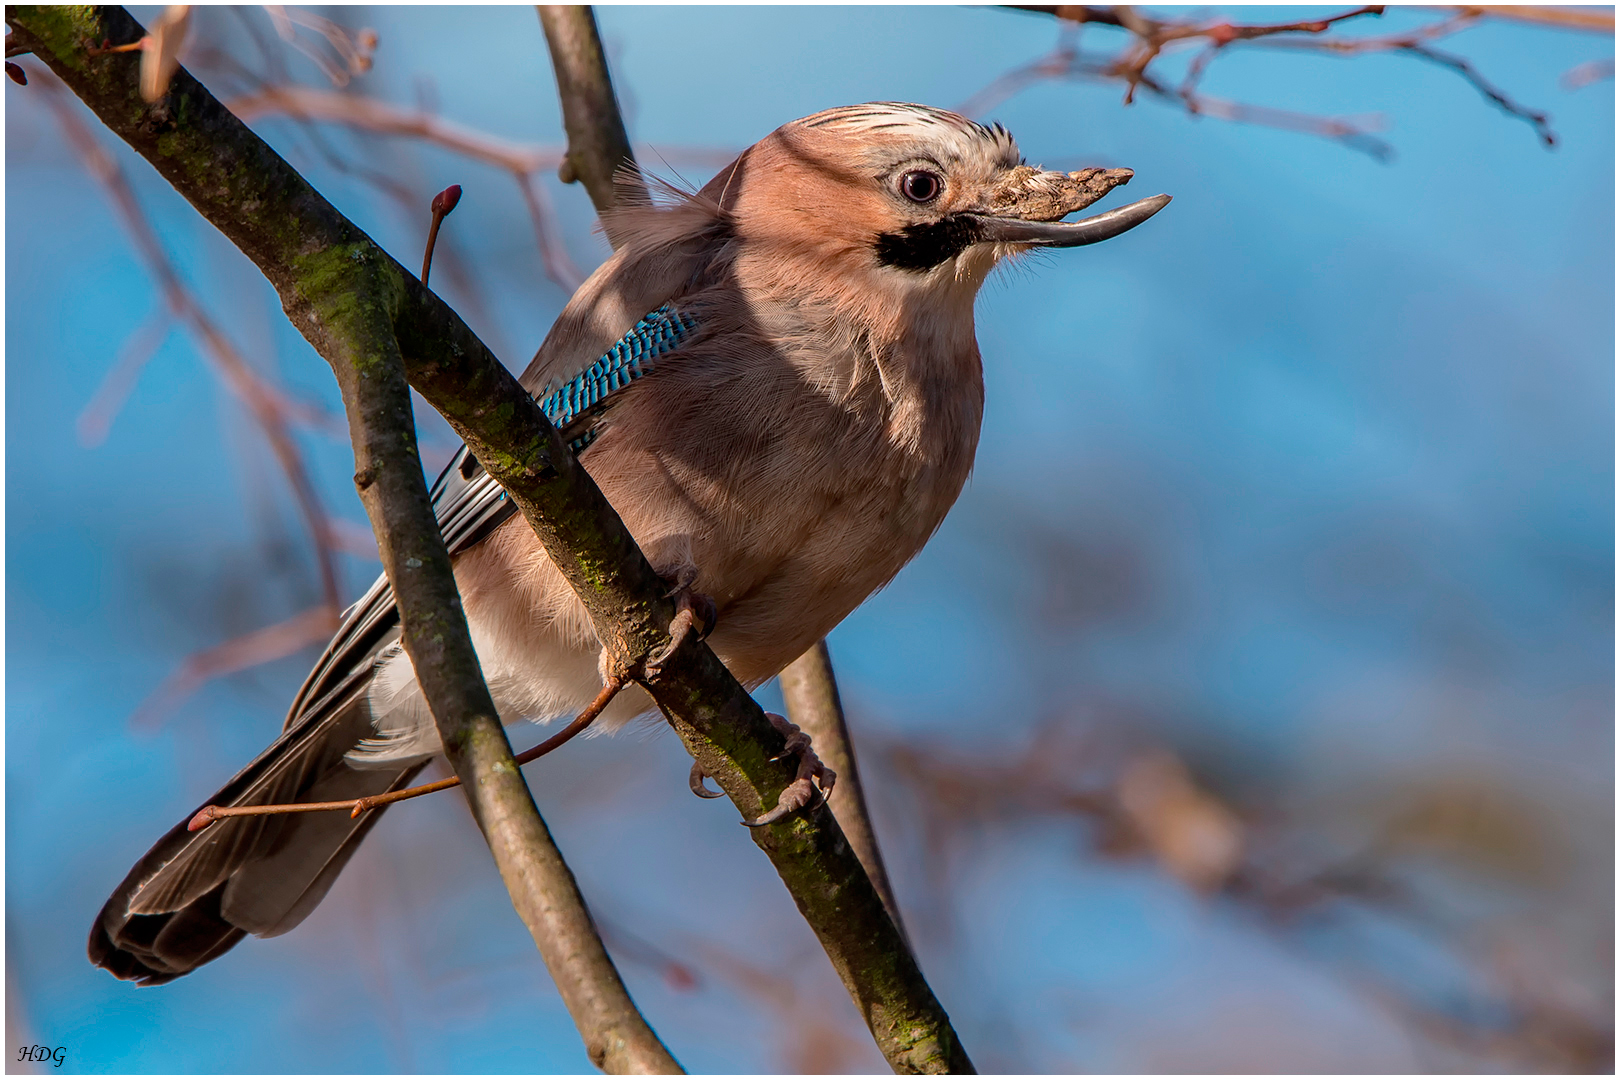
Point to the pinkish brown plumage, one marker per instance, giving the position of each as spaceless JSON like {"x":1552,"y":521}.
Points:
{"x":785,"y":459}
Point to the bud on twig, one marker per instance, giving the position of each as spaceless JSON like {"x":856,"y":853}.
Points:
{"x":444,"y":202}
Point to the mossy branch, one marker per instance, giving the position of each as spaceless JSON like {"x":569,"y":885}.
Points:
{"x":345,"y":295}
{"x":366,"y":315}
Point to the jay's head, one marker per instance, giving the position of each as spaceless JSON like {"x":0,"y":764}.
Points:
{"x":909,"y":198}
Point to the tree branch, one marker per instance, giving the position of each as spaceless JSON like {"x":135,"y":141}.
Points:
{"x":1153,"y":38}
{"x":811,"y":694}
{"x":598,"y":147}
{"x":366,"y":314}
{"x":344,"y":294}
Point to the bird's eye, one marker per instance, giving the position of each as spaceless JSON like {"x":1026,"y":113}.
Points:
{"x":921,"y":186}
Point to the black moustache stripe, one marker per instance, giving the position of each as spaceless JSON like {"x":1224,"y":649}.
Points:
{"x":923,"y":247}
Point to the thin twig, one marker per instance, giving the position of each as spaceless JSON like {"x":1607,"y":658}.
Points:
{"x":554,"y":257}
{"x":370,"y":114}
{"x":1535,"y":118}
{"x":522,"y":162}
{"x":1152,"y":37}
{"x":444,"y":202}
{"x":250,"y":650}
{"x":95,"y":421}
{"x":1588,"y":73}
{"x":210,"y":814}
{"x":1067,"y":63}
{"x":354,"y":52}
{"x":1593,"y":20}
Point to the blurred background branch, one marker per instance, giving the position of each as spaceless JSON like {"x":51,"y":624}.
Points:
{"x":1138,"y":65}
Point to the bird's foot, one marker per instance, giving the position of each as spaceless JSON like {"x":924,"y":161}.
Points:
{"x":695,"y":613}
{"x":810,"y":787}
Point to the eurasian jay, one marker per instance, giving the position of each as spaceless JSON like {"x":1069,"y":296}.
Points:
{"x":774,"y":381}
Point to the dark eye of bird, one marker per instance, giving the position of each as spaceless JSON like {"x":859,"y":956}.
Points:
{"x":921,"y":187}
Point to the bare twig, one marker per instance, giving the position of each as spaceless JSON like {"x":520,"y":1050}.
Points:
{"x":522,"y":161}
{"x":1417,"y":43}
{"x":210,"y":814}
{"x":553,"y":256}
{"x":1588,"y":73}
{"x":598,"y":148}
{"x":1067,"y":63}
{"x":444,"y":202}
{"x":1594,"y":20}
{"x":95,"y":421}
{"x":355,"y":53}
{"x":367,"y":114}
{"x":162,"y":50}
{"x":1153,"y":37}
{"x":1535,"y":118}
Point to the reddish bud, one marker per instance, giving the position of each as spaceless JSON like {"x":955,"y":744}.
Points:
{"x":204,"y":818}
{"x":16,"y":73}
{"x":1222,"y":34}
{"x":445,"y":201}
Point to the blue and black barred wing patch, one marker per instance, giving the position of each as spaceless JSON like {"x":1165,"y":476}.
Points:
{"x":576,"y":404}
{"x":469,"y":504}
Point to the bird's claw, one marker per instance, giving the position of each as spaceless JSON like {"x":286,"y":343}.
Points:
{"x":699,"y":788}
{"x":694,"y":613}
{"x":810,"y":787}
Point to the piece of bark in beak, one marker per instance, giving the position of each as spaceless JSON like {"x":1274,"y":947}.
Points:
{"x":1033,"y":194}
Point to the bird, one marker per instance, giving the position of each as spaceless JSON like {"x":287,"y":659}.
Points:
{"x":775,"y":381}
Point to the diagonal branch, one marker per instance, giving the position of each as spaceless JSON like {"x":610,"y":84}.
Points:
{"x":368,"y":316}
{"x":1534,"y":117}
{"x":344,"y":294}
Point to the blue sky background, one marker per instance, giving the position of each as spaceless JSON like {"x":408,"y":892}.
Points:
{"x":1310,"y":479}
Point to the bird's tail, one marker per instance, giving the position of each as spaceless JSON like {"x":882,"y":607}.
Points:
{"x":196,"y":894}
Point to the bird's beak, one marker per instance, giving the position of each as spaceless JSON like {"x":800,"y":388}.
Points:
{"x":1026,"y":204}
{"x":1068,"y":233}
